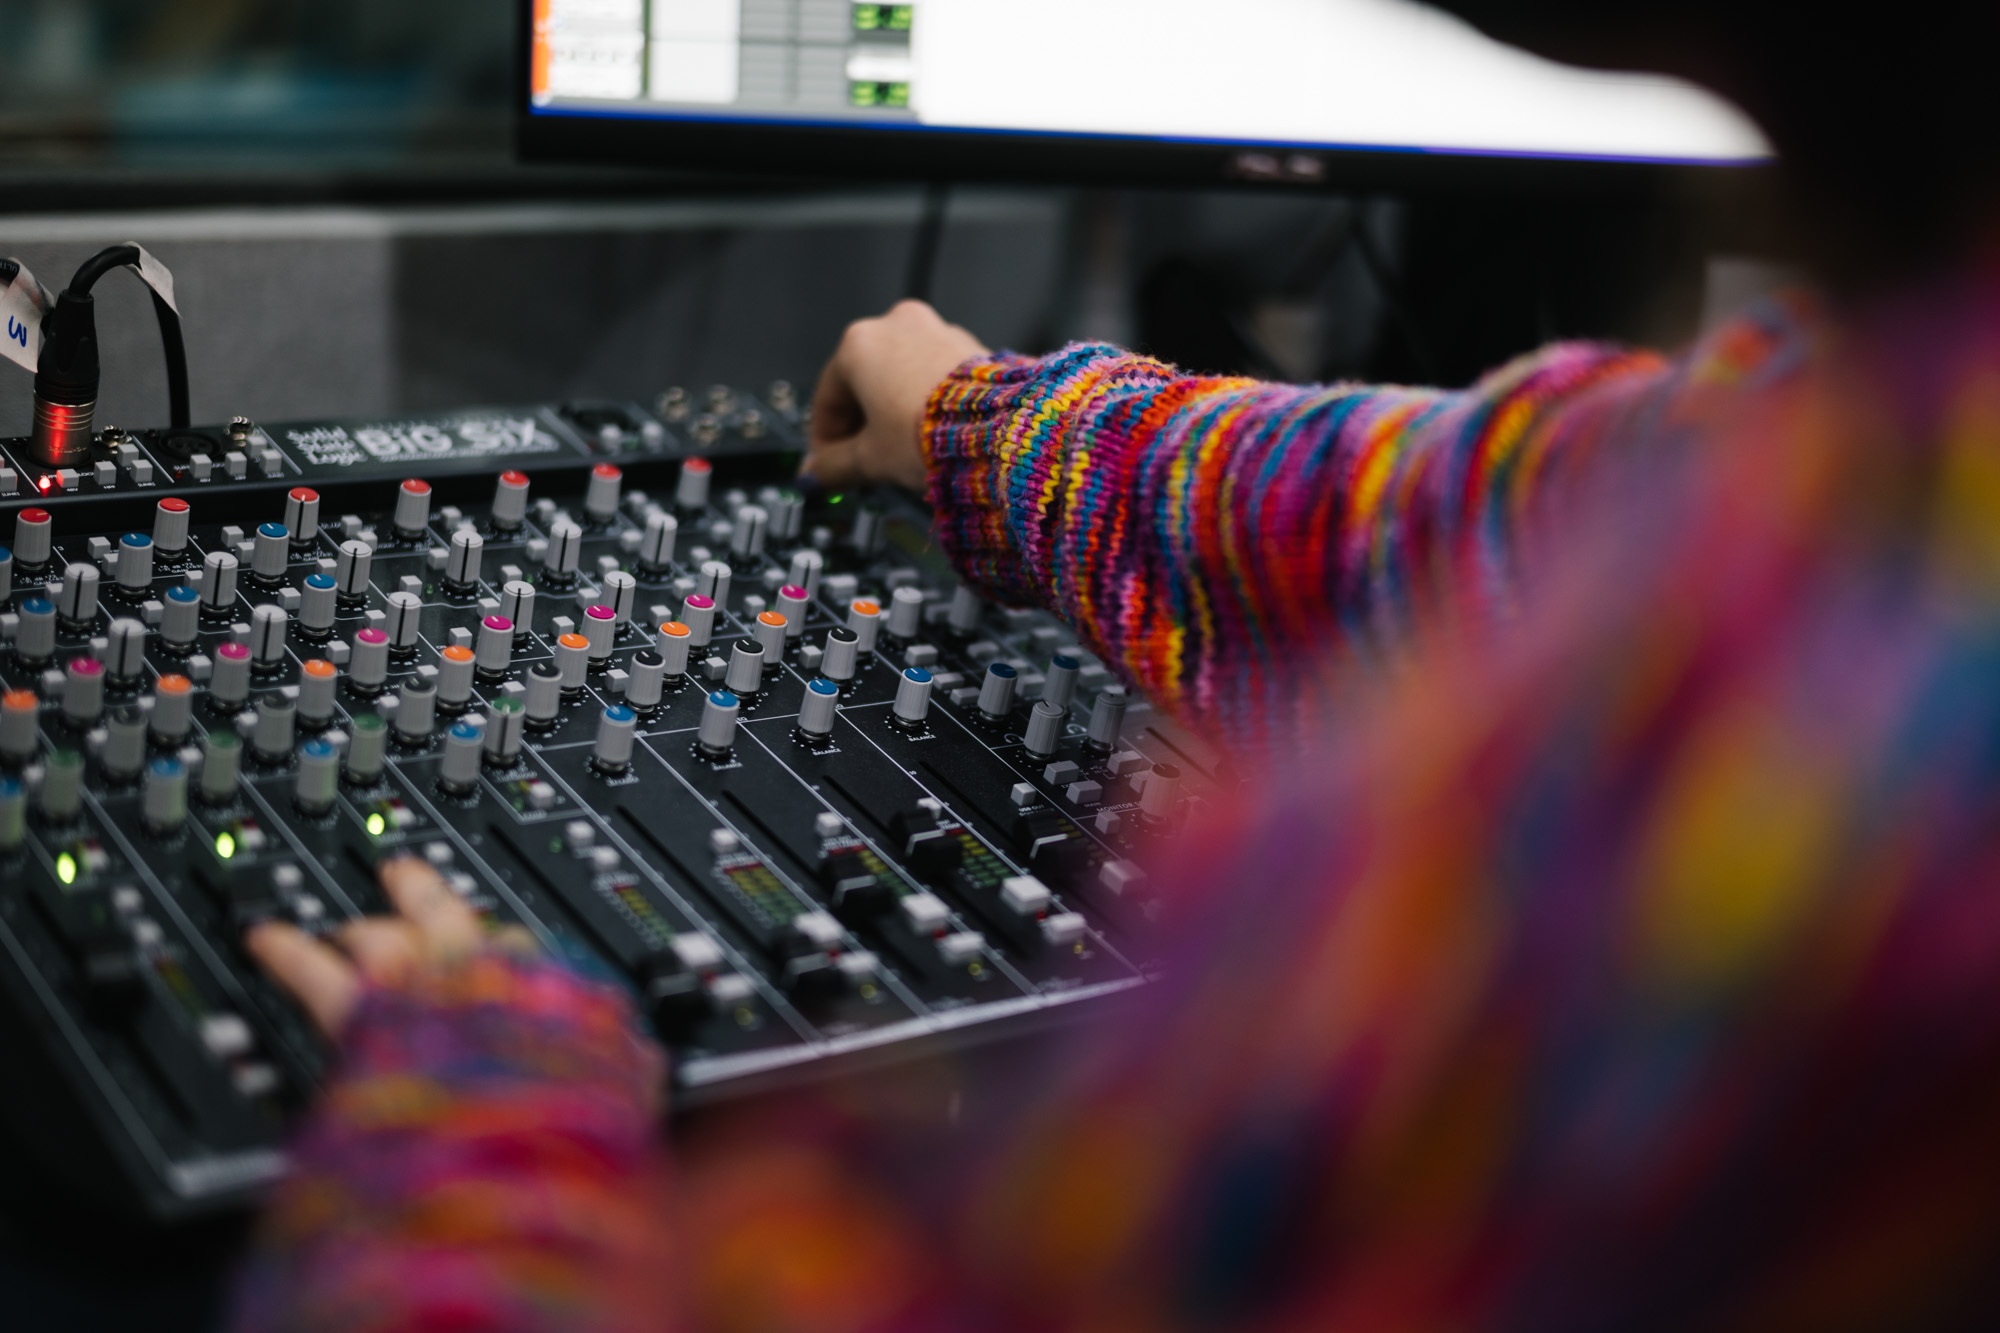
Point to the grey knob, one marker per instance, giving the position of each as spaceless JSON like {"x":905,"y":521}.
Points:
{"x":691,"y":491}
{"x":868,"y":530}
{"x":771,"y":631}
{"x":698,"y":614}
{"x":573,"y":661}
{"x":461,"y":562}
{"x":317,"y":681}
{"x":318,"y":602}
{"x":544,"y":695}
{"x":616,"y":731}
{"x":368,"y":667}
{"x":495,"y":652}
{"x":621,"y":594}
{"x":965,"y":610}
{"x":367,"y":749}
{"x":124,"y":752}
{"x":1046,"y":723}
{"x":672,"y":642}
{"x":125,"y":653}
{"x":406,"y":611}
{"x":317,"y":781}
{"x":906,"y":612}
{"x":517,"y":603}
{"x":718,"y":723}
{"x":460,"y":771}
{"x":170,"y":526}
{"x":865,"y":619}
{"x":454,"y":679}
{"x":83,"y":691}
{"x":135,"y":563}
{"x":1163,"y":788}
{"x":792,"y":601}
{"x":647,"y":682}
{"x":180,"y":621}
{"x":173,"y":708}
{"x":842,"y":653}
{"x":352,"y":565}
{"x":600,"y":496}
{"x":1107,"y":718}
{"x":20,"y":719}
{"x":229,"y":682}
{"x":221,"y":766}
{"x":996,"y":692}
{"x":506,"y":729}
{"x":746,"y":539}
{"x":271,"y":552}
{"x":913,"y":695}
{"x":62,"y":786}
{"x":77,"y":603}
{"x":413,"y":509}
{"x":302,"y":516}
{"x":163,"y":799}
{"x":13,"y":813}
{"x":34,"y":537}
{"x":267,"y":635}
{"x":656,"y":548}
{"x":277,"y":725}
{"x":565,"y":551}
{"x":807,"y":566}
{"x":510,"y":501}
{"x":35,"y":638}
{"x":1060,"y":687}
{"x":713,"y":582}
{"x":821,"y":705}
{"x":416,"y":711}
{"x":218,"y":581}
{"x":746,"y":667}
{"x":600,"y":631}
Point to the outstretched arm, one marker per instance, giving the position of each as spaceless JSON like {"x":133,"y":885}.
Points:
{"x":1212,"y":537}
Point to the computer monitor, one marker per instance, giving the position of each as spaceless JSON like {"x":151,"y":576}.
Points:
{"x":1299,"y":92}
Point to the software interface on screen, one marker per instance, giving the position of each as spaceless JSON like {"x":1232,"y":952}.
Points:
{"x":1381,"y":74}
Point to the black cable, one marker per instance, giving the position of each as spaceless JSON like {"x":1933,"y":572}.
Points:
{"x":171,"y":341}
{"x":924,"y":246}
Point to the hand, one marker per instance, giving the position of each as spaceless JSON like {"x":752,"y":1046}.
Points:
{"x":432,"y":928}
{"x":867,"y":418}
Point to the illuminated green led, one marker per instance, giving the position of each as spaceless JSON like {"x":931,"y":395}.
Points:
{"x":867,"y":18}
{"x":896,"y":94}
{"x":225,"y":844}
{"x":66,"y":868}
{"x":900,"y":18}
{"x":376,"y":824}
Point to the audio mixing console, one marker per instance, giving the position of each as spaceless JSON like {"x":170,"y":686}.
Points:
{"x":751,"y":755}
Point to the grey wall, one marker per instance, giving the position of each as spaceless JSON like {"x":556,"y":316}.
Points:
{"x":310,"y":312}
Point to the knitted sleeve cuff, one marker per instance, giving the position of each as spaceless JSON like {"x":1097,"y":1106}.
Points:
{"x":996,"y":434}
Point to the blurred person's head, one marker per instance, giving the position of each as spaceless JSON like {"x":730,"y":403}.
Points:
{"x":1883,"y":118}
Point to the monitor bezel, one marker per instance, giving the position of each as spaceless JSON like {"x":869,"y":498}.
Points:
{"x":822,"y":152}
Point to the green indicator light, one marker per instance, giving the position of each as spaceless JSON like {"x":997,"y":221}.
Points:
{"x":225,"y":844}
{"x":376,"y":824}
{"x":66,"y":868}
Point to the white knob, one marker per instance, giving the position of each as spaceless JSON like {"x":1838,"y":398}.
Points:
{"x":413,"y":508}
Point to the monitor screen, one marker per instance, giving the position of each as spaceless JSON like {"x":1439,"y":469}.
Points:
{"x":1286,"y":85}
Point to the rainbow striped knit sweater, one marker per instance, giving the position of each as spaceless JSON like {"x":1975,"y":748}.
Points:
{"x":1621,"y":953}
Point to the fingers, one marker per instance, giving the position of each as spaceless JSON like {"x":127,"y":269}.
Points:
{"x":836,"y":410}
{"x":387,"y":950}
{"x":449,"y":928}
{"x":325,"y":984}
{"x":835,"y":465}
